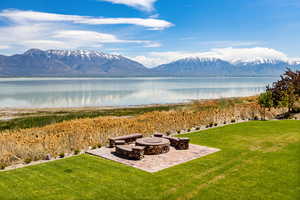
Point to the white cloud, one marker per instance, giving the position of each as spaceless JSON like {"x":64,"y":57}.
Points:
{"x":151,"y":44}
{"x":28,"y":29}
{"x":4,"y":46}
{"x":226,"y":43}
{"x":90,"y":36}
{"x":153,"y":59}
{"x":48,"y":36}
{"x":21,"y":16}
{"x":145,"y":5}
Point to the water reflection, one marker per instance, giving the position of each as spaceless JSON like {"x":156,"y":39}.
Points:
{"x":76,"y":92}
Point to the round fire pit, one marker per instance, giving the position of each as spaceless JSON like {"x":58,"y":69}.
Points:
{"x":154,"y":145}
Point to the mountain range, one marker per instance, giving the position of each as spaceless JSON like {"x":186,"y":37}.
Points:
{"x":36,"y":62}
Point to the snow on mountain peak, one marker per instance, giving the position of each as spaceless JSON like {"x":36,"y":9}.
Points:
{"x":82,"y":54}
{"x":199,"y":59}
{"x":294,"y":61}
{"x":257,"y":61}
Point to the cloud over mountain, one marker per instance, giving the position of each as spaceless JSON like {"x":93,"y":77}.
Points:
{"x":145,"y":5}
{"x":228,"y":54}
{"x":31,"y":29}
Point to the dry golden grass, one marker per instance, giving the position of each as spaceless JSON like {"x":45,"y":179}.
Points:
{"x":36,"y":143}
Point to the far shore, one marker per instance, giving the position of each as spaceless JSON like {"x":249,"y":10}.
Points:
{"x":12,"y":113}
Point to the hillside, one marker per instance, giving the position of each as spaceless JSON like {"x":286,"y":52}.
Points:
{"x":35,"y":62}
{"x":195,"y":66}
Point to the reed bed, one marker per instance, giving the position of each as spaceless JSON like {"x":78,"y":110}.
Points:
{"x":68,"y":136}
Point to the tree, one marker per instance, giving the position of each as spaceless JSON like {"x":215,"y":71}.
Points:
{"x":286,"y":91}
{"x":265,"y":100}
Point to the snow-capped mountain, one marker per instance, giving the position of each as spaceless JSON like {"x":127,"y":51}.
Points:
{"x":36,"y":62}
{"x":194,"y":66}
{"x":83,"y":54}
{"x":257,"y":61}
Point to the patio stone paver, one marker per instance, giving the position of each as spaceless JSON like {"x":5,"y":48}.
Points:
{"x":155,"y":163}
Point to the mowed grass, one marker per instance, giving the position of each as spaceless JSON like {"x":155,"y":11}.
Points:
{"x":258,"y":160}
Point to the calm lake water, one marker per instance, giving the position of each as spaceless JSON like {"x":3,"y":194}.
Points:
{"x":77,"y":92}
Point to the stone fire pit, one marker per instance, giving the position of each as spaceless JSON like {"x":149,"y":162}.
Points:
{"x":154,"y":145}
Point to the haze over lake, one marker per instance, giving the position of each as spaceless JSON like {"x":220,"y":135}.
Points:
{"x":80,"y":92}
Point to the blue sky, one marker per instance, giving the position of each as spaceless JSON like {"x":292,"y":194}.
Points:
{"x":154,"y":31}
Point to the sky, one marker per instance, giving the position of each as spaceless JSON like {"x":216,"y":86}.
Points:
{"x":154,"y":32}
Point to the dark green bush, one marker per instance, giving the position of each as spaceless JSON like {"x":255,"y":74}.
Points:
{"x":76,"y":152}
{"x":27,"y":160}
{"x":2,"y":166}
{"x":233,"y":120}
{"x":61,"y":155}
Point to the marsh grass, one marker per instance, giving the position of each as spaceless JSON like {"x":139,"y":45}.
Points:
{"x":19,"y":144}
{"x":47,"y":118}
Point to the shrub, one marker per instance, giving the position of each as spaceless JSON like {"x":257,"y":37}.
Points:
{"x":198,"y":128}
{"x":215,"y":124}
{"x":2,"y":166}
{"x":211,"y":124}
{"x":99,"y":145}
{"x":27,"y":160}
{"x":37,"y":157}
{"x":256,"y":118}
{"x":188,"y":130}
{"x":232,"y":120}
{"x":61,"y":155}
{"x":224,"y":122}
{"x":178,"y":131}
{"x":94,"y":147}
{"x":77,"y":151}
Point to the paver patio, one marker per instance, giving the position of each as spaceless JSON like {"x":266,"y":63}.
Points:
{"x":154,"y":163}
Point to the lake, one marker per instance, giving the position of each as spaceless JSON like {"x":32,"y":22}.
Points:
{"x":80,"y":92}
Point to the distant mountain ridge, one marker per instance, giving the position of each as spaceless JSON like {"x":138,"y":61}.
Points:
{"x":36,"y":62}
{"x":213,"y":66}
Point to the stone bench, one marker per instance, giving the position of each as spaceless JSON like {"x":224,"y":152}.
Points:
{"x":130,"y":151}
{"x":126,"y":138}
{"x":178,"y":143}
{"x":158,"y":135}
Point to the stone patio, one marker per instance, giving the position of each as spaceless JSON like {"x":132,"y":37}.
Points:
{"x":155,"y":163}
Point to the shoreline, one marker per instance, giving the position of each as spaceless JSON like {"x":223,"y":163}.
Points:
{"x":7,"y":114}
{"x":13,"y":113}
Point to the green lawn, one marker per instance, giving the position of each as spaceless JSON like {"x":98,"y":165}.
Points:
{"x":258,"y":160}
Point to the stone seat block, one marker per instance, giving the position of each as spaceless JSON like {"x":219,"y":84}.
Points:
{"x":178,"y":143}
{"x":130,"y":151}
{"x":126,"y":138}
